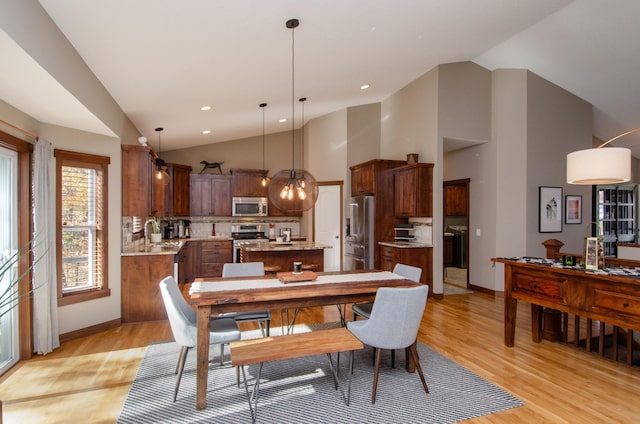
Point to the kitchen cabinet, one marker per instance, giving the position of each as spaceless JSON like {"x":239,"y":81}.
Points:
{"x":179,"y":190}
{"x":421,"y":257}
{"x":210,"y":195}
{"x":141,"y":298}
{"x":187,"y":262}
{"x":248,"y":183}
{"x":137,"y":172}
{"x":211,"y":255}
{"x":447,"y":250}
{"x":365,"y":176}
{"x":455,"y":200}
{"x":274,"y":211}
{"x":413,"y":190}
{"x":374,"y":177}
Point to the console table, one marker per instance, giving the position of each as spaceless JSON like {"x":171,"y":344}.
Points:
{"x":612,"y":296}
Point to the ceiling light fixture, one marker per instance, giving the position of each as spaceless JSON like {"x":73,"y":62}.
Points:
{"x":265,"y":179}
{"x":205,"y":132}
{"x":161,"y":166}
{"x":294,"y":190}
{"x":205,"y":108}
{"x":599,"y":165}
{"x":364,"y":87}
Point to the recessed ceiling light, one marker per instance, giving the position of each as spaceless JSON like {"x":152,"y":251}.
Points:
{"x":283,"y":120}
{"x":364,"y":87}
{"x":205,"y":108}
{"x":206,"y":132}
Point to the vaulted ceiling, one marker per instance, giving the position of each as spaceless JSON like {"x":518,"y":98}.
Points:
{"x":163,"y":60}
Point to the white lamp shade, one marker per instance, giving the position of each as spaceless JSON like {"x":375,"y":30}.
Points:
{"x":607,"y":165}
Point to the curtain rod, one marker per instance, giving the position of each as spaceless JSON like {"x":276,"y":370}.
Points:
{"x":27,"y":133}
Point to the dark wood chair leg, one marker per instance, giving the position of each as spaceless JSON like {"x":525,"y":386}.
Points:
{"x":375,"y":375}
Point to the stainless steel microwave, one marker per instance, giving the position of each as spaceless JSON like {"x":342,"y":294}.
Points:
{"x":250,"y":206}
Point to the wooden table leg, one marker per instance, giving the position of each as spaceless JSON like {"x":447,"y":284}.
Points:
{"x":409,"y":365}
{"x":510,"y":309}
{"x":202,"y":356}
{"x":536,"y":323}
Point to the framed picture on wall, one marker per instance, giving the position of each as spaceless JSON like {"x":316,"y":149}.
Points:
{"x":572,"y":209}
{"x":549,"y":209}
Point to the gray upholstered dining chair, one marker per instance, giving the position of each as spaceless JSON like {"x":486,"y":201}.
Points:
{"x":248,"y":269}
{"x":393,"y":324}
{"x":182,"y":320}
{"x":407,"y":271}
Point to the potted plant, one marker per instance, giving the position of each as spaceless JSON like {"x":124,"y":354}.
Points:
{"x":156,"y":232}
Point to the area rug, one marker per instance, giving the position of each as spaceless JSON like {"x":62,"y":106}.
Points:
{"x":302,"y":391}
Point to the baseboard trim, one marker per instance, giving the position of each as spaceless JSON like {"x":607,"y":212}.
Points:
{"x":482,"y":290}
{"x":87,"y":331}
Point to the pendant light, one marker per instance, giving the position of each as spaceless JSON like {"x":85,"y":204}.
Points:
{"x":265,"y":179}
{"x":161,"y":166}
{"x":293,"y":190}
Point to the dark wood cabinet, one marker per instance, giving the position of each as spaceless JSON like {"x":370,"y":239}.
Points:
{"x":211,"y":256}
{"x":145,"y":195}
{"x":421,"y":257}
{"x":455,"y":200}
{"x":413,"y":188}
{"x":179,"y":190}
{"x":362,"y":180}
{"x":136,"y":180}
{"x":187,"y":262}
{"x":274,"y":211}
{"x":447,"y":251}
{"x":374,"y":177}
{"x":210,"y":195}
{"x":365,"y":176}
{"x":247,"y":183}
{"x":141,"y":298}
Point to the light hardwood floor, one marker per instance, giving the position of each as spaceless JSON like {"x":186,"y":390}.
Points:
{"x":87,"y":380}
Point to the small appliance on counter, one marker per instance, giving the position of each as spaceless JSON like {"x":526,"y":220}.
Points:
{"x":404,"y":232}
{"x":285,"y":233}
{"x":168,"y":230}
{"x":187,"y":228}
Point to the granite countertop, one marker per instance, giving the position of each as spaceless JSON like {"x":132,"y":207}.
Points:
{"x":165,"y":247}
{"x":404,"y":244}
{"x":294,"y":245}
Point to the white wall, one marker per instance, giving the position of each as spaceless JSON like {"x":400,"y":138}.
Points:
{"x":93,"y":312}
{"x":505,"y":229}
{"x":558,"y":123}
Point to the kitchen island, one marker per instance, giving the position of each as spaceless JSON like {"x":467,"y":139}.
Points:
{"x":281,"y":256}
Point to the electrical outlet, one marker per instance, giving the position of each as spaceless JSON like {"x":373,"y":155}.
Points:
{"x":477,"y":232}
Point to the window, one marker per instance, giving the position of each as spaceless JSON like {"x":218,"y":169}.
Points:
{"x":81,"y":225}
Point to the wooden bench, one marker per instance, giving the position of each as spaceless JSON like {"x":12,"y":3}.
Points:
{"x":258,"y":351}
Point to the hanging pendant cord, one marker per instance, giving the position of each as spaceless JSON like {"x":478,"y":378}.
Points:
{"x":293,"y":75}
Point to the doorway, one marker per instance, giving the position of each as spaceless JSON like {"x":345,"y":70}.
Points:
{"x":9,"y":321}
{"x":456,"y":235}
{"x":327,"y":223}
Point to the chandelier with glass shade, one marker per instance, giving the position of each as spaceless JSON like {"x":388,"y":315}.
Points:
{"x":293,"y":190}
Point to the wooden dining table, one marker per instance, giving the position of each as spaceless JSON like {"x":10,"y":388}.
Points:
{"x":215,"y":296}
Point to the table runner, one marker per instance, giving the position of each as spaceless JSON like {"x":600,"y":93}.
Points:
{"x":238,"y":284}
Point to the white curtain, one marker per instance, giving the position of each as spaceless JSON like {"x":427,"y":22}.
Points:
{"x":45,"y":294}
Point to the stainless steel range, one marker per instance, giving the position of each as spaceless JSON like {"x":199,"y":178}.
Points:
{"x":246,"y":233}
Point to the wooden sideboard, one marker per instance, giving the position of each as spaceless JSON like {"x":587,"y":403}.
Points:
{"x":610,"y":299}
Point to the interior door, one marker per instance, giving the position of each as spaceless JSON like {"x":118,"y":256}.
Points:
{"x":9,"y":331}
{"x":327,"y":224}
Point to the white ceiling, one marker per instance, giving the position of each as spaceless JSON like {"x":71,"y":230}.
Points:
{"x":162,"y":60}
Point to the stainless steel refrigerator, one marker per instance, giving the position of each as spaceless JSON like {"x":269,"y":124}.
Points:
{"x":359,"y":240}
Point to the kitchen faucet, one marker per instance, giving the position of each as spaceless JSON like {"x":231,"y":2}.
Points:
{"x":144,"y":229}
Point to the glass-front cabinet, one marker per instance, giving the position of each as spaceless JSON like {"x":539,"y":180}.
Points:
{"x":615,"y":213}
